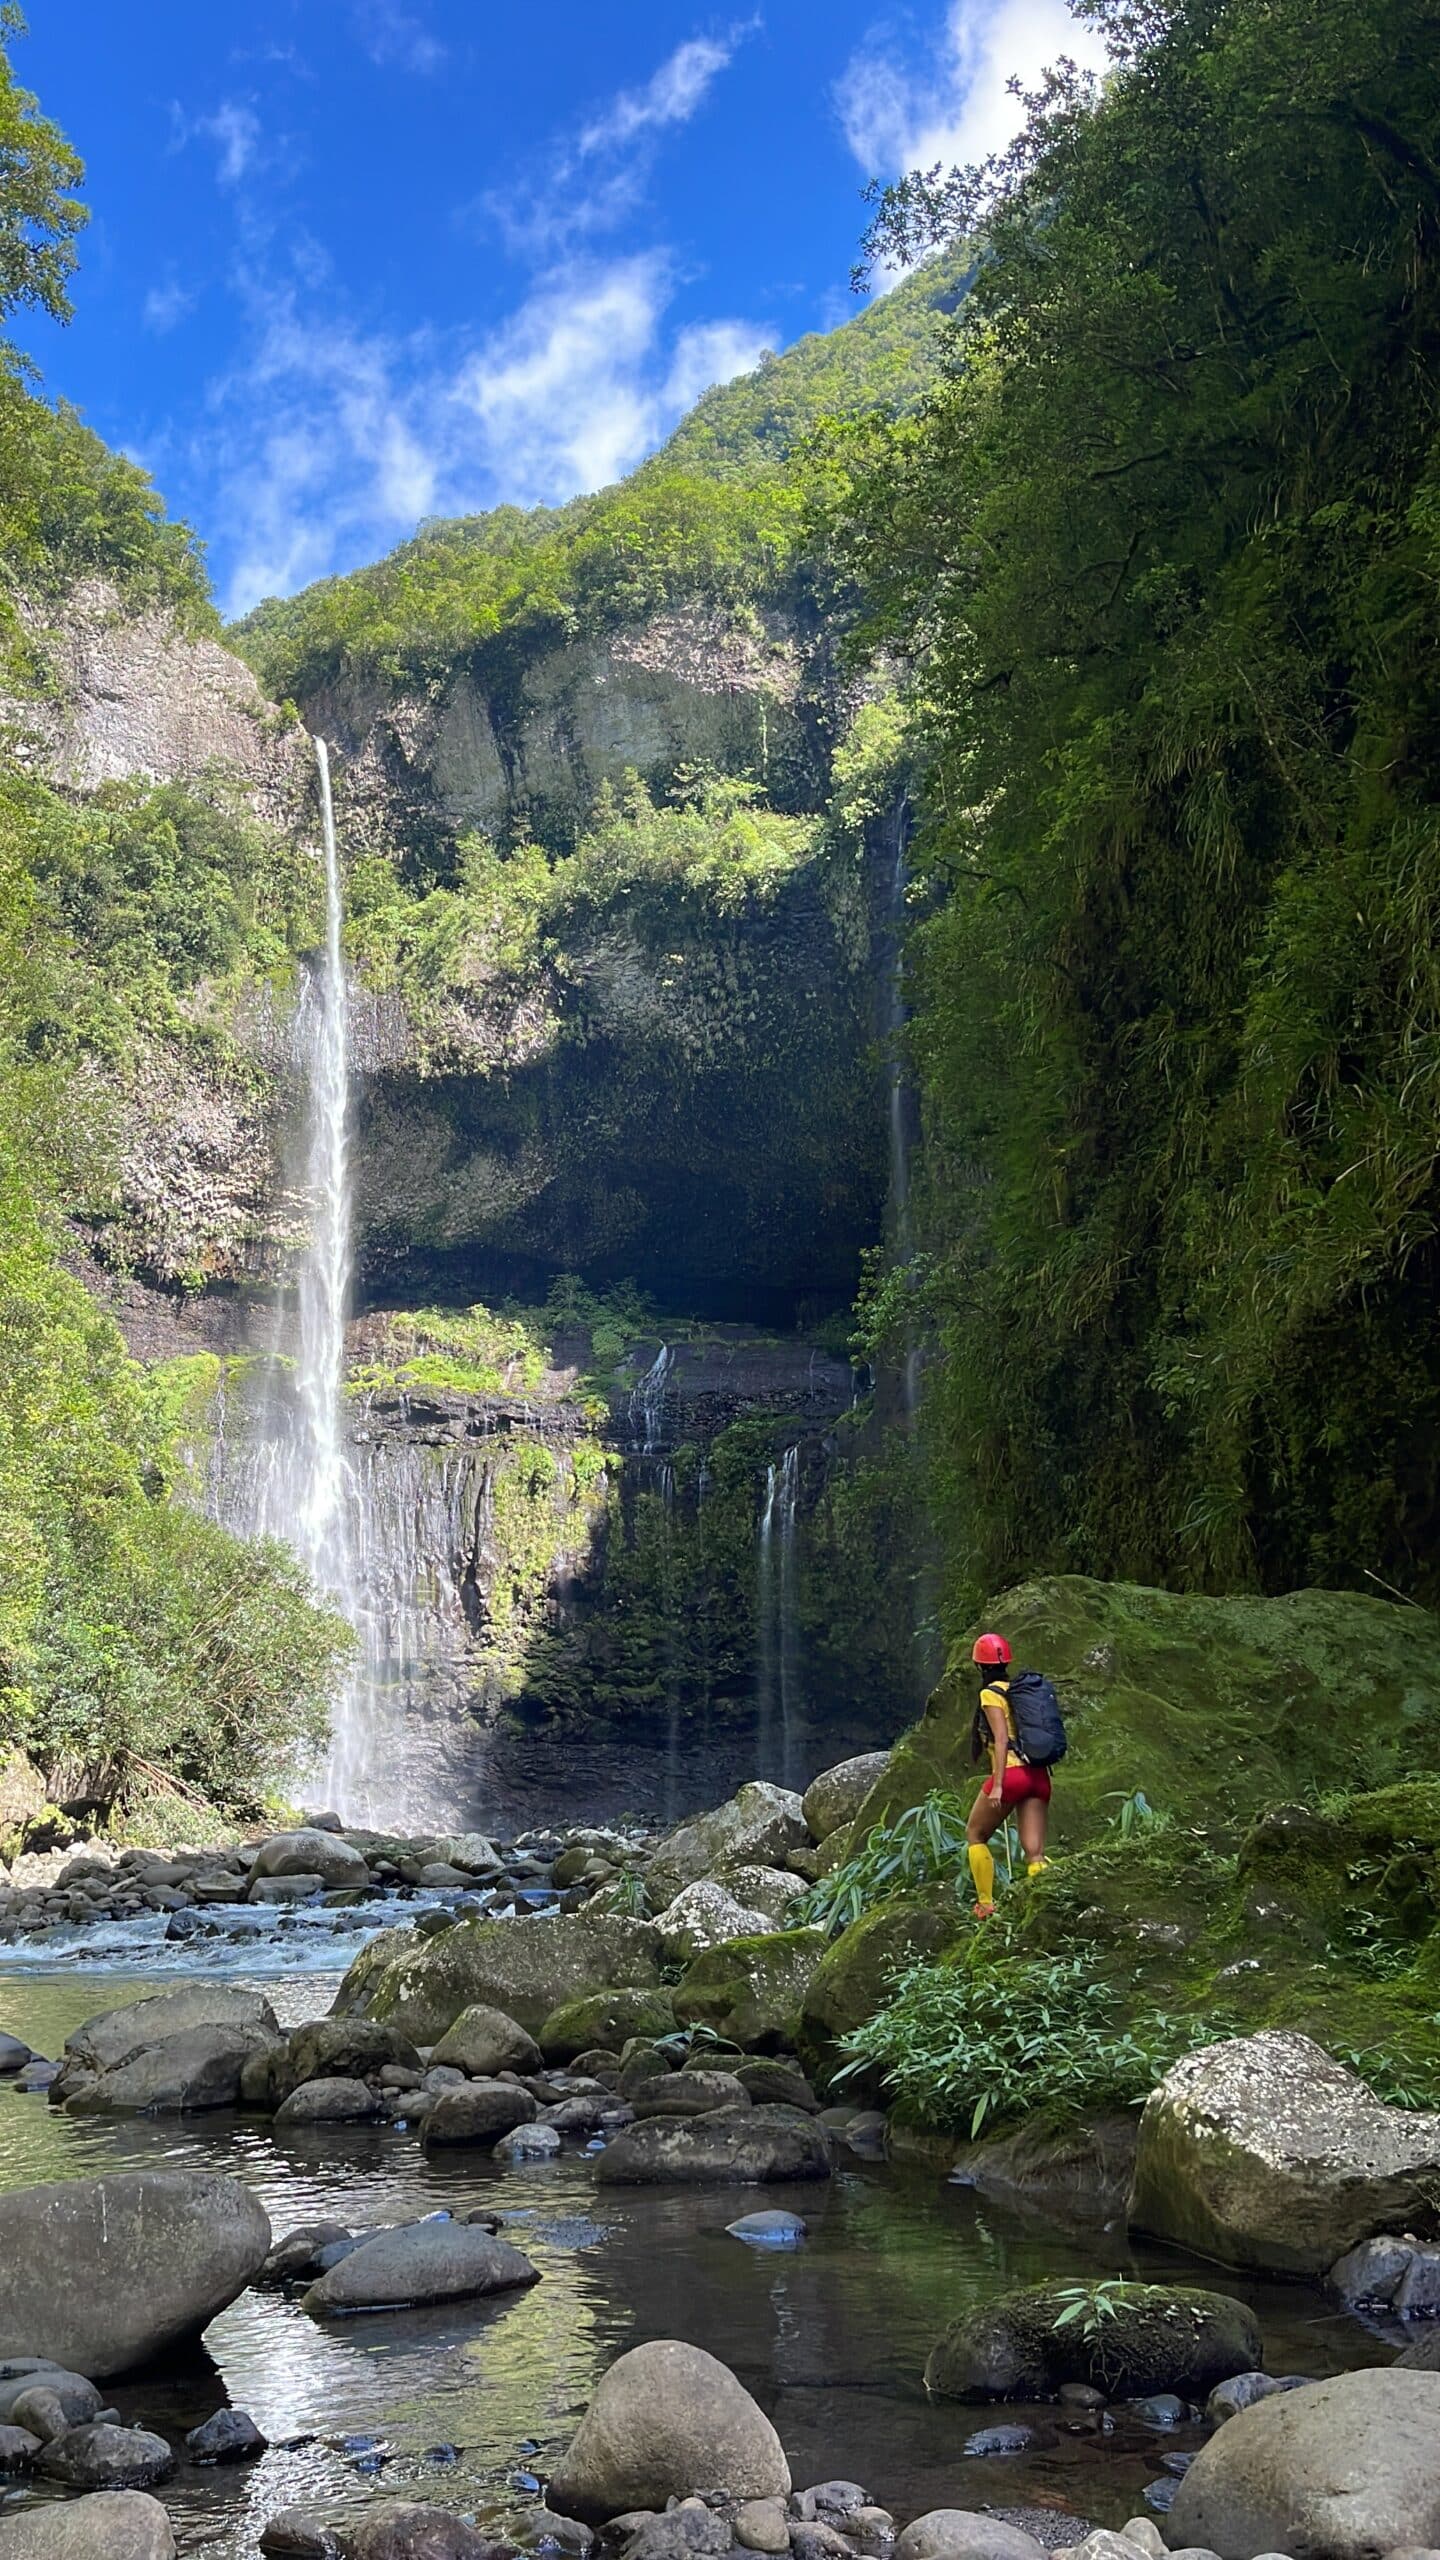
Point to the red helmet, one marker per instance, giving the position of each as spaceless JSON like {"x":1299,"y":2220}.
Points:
{"x":990,"y":1650}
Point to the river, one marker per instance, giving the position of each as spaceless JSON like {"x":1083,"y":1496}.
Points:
{"x":452,"y":2405}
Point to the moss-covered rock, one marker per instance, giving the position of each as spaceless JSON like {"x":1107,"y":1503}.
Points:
{"x":751,"y":1989}
{"x":527,"y":1968}
{"x":604,"y":2018}
{"x":1209,"y":1706}
{"x":1128,"y":2339}
{"x":854,"y":1976}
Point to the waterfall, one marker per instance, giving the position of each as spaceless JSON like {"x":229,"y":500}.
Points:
{"x":779,"y":1695}
{"x":647,"y":1402}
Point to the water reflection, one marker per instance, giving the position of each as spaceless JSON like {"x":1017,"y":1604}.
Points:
{"x":831,"y":2338}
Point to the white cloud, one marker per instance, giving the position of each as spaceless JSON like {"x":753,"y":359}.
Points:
{"x":329,"y":445}
{"x":234,"y":129}
{"x":166,"y":305}
{"x":670,"y":96}
{"x":391,"y":34}
{"x":957,"y":108}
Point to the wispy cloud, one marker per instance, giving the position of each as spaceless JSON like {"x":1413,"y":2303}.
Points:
{"x":166,"y":305}
{"x":956,"y":105}
{"x":234,"y":129}
{"x":392,"y":35}
{"x":591,"y":178}
{"x":328,"y":445}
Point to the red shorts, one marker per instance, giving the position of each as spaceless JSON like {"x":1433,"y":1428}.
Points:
{"x":1021,"y":1782}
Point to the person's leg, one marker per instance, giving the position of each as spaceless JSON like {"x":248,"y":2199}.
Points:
{"x":1030,"y":1822}
{"x":986,"y":1816}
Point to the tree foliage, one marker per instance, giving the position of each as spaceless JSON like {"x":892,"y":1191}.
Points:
{"x":1161,"y":557}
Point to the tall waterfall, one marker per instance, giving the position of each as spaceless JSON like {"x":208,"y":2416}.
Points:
{"x":901,"y":1101}
{"x":779,"y":1695}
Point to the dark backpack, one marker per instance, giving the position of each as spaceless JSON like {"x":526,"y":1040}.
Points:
{"x":1040,"y":1736}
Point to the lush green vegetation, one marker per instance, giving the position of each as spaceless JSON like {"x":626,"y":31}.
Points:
{"x":1160,"y":559}
{"x":141,"y":1647}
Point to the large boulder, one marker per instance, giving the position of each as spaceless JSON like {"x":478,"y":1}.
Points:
{"x":527,"y":1968}
{"x":831,"y":1801}
{"x":1264,"y":2152}
{"x":853,"y":1980}
{"x":966,"y":2533}
{"x":483,"y":2041}
{"x":312,"y":1853}
{"x":186,"y":2075}
{"x":751,"y":1990}
{"x":116,"y":2525}
{"x":758,"y":1827}
{"x":1341,"y":2470}
{"x":338,"y":2101}
{"x":341,"y":2049}
{"x":419,"y":2262}
{"x":104,"y":2455}
{"x":392,"y":2530}
{"x":477,"y":2111}
{"x":1027,"y":2344}
{"x":605,"y":2021}
{"x":112,"y":2038}
{"x":741,"y":2147}
{"x":665,"y":2420}
{"x":705,"y":1915}
{"x":102,"y":2274}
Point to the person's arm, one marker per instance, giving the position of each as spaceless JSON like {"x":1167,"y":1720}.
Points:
{"x":999,"y":1741}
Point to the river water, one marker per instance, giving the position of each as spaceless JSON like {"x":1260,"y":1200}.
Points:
{"x":447,"y":2405}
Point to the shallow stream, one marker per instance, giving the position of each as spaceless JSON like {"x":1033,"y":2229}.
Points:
{"x":450,"y":2404}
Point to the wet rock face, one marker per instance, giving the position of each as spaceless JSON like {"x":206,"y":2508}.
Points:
{"x":665,"y":2420}
{"x":1264,"y":2152}
{"x":121,"y":2524}
{"x":177,"y":2246}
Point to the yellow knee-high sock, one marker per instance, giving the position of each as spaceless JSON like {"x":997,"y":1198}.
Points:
{"x":982,"y":1868}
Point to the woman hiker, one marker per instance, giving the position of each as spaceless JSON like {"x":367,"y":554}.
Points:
{"x":1014,"y":1784}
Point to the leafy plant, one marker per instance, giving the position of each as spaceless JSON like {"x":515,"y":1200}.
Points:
{"x":986,"y":2037}
{"x":1089,"y":2306}
{"x":1134,"y":1813}
{"x":925,"y":1844}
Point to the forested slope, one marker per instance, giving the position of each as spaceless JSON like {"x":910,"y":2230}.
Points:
{"x":1161,"y":558}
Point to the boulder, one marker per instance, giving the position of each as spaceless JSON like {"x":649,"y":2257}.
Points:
{"x":328,"y":2102}
{"x":605,"y":2019}
{"x":758,"y":1826}
{"x":751,"y":1990}
{"x":294,"y":2534}
{"x":1242,"y":2390}
{"x":769,"y":2083}
{"x":311,"y":1853}
{"x":527,"y":1968}
{"x":230,"y":2436}
{"x":477,"y":2111}
{"x":958,"y":2533}
{"x":75,"y":2398}
{"x":745,"y":2146}
{"x":769,"y":2230}
{"x":1022,"y":2345}
{"x":298,"y":2252}
{"x":1400,"y":2276}
{"x":831,"y":1801}
{"x":667,"y":2419}
{"x":13,"y":2055}
{"x":391,"y":2530}
{"x":772,"y":1890}
{"x":299,"y":1888}
{"x":106,"y":2041}
{"x":482,"y":2042}
{"x":123,"y":2525}
{"x":852,"y":1980}
{"x":528,"y":2142}
{"x":186,"y":2075}
{"x":705,"y":1915}
{"x":341,"y":2049}
{"x":104,"y":2456}
{"x":176,"y":2246}
{"x":690,"y":2093}
{"x":419,"y":2262}
{"x":18,"y":2448}
{"x":1264,"y":2152}
{"x":1342,"y":2470}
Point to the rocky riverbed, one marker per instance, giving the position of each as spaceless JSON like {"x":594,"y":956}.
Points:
{"x":331,"y":2246}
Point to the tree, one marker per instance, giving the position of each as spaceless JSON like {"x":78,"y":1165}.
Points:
{"x":40,"y":217}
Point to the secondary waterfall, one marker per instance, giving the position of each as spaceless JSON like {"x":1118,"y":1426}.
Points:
{"x":900,"y":1098}
{"x":779,"y":1697}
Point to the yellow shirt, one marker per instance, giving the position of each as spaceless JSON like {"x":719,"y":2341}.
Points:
{"x":998,"y":1697}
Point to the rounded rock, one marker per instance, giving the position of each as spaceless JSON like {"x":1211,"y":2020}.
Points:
{"x":959,"y":2533}
{"x":112,"y":2525}
{"x":666,"y":2419}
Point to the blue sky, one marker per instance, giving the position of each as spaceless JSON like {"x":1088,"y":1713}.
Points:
{"x":355,"y":262}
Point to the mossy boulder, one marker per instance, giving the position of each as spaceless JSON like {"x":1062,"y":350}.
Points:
{"x":604,"y":2018}
{"x":751,"y":1990}
{"x":853,"y":1979}
{"x":1129,"y":2339}
{"x":527,"y":1968}
{"x":1208,"y":1705}
{"x":759,"y":1825}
